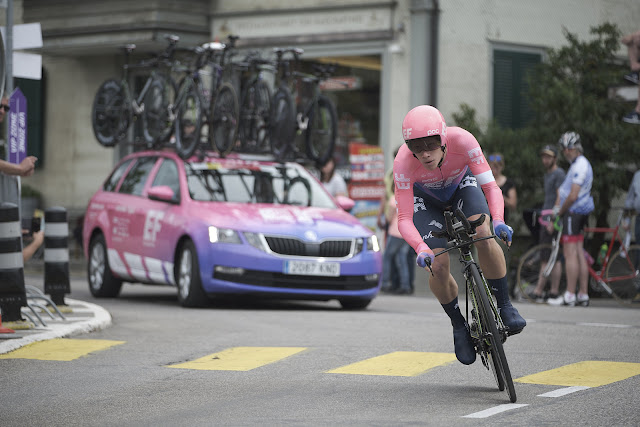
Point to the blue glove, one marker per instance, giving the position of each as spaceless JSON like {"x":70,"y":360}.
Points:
{"x":499,"y":227}
{"x":421,"y":260}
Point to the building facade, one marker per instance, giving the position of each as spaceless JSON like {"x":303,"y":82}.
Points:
{"x":397,"y":54}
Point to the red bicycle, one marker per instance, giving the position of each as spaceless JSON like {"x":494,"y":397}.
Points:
{"x":617,"y":274}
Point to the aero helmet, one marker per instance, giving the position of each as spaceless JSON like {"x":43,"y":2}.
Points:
{"x":423,"y":121}
{"x":570,"y":140}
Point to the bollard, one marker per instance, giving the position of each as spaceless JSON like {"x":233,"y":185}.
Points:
{"x":13,"y":295}
{"x":56,"y":254}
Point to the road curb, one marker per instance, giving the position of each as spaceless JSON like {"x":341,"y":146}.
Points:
{"x":100,"y":320}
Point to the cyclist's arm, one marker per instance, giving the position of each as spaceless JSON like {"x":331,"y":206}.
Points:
{"x":403,"y":168}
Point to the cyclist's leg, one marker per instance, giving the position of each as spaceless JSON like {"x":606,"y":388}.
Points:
{"x":544,"y":237}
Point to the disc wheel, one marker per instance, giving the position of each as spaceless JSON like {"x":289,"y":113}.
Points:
{"x":111,"y":113}
{"x":157,"y":122}
{"x":253,"y":130}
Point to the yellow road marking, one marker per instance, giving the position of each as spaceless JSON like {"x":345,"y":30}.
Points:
{"x":240,"y":358}
{"x":60,"y":349}
{"x":588,"y":373}
{"x":397,"y":364}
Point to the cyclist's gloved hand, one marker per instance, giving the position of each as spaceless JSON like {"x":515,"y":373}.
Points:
{"x":423,"y":253}
{"x":555,"y":211}
{"x":500,"y":227}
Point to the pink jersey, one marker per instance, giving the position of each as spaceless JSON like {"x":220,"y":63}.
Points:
{"x":463,"y":154}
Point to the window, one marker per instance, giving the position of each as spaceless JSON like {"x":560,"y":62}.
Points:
{"x":511,"y":107}
{"x":134,"y":181}
{"x":168,"y":175}
{"x":112,"y":182}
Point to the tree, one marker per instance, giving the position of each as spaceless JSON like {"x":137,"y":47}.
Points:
{"x":570,"y":91}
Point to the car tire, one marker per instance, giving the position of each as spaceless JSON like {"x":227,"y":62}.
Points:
{"x":188,"y":280}
{"x":102,"y":282}
{"x":355,"y":304}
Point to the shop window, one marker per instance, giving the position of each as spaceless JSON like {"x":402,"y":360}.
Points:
{"x":511,"y":108}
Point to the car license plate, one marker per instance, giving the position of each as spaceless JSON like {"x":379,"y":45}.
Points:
{"x":308,"y":268}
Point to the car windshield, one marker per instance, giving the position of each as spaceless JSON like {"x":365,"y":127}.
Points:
{"x":255,"y":183}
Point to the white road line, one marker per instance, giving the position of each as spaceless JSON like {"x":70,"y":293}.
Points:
{"x":563,"y":391}
{"x":610,"y":325}
{"x":495,"y":410}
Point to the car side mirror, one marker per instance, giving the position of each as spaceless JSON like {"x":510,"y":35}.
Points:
{"x":162,"y":193}
{"x":345,"y":203}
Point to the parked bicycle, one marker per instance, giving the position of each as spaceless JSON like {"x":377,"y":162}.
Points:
{"x":617,"y":275}
{"x":300,"y":109}
{"x":115,"y":107}
{"x":486,"y":327}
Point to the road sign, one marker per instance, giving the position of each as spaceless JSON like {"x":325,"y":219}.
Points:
{"x":17,"y":126}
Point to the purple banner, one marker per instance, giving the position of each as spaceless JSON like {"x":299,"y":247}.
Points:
{"x":17,"y":127}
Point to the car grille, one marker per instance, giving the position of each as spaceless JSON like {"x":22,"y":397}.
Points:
{"x":291,"y":281}
{"x":295,"y":247}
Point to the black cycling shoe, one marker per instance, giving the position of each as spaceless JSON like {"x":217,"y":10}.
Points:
{"x":463,"y":344}
{"x":512,"y":320}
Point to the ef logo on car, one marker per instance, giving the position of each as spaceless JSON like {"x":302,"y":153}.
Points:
{"x":152,"y":226}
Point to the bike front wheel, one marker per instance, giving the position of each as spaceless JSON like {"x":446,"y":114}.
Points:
{"x":188,"y":121}
{"x":282,"y":122}
{"x":491,"y":335}
{"x":223,"y":123}
{"x":530,"y":269}
{"x":253,"y":130}
{"x":157,"y":122}
{"x":111,"y":113}
{"x":623,"y":273}
{"x":322,"y":130}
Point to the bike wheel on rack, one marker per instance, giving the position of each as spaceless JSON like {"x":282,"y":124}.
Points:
{"x":157,"y":123}
{"x":253,"y":130}
{"x":111,"y":113}
{"x":188,"y":122}
{"x":529,"y":269}
{"x":322,"y":130}
{"x":224,"y":120}
{"x":486,"y":316}
{"x":623,"y":273}
{"x":282,"y":122}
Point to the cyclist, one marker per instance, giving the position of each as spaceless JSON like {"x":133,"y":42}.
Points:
{"x":439,"y":167}
{"x":574,"y":204}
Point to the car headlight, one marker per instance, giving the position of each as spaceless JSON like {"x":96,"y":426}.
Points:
{"x":372,"y":244}
{"x":255,"y":240}
{"x":223,"y":235}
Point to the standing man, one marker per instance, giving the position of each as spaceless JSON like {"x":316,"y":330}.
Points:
{"x":632,"y":41}
{"x":440,"y":167}
{"x":553,"y":178}
{"x":574,"y":204}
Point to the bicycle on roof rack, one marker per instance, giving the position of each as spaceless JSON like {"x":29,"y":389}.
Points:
{"x":300,"y":109}
{"x":488,"y":332}
{"x":115,"y":107}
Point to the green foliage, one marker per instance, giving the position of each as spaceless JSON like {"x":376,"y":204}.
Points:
{"x":569,"y":92}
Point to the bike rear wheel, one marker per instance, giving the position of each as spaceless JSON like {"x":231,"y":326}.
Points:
{"x":157,"y":122}
{"x":223,"y":123}
{"x":283,"y":122}
{"x":623,"y":273}
{"x":487,"y":318}
{"x":320,"y":137}
{"x":111,"y":113}
{"x":529,"y":270}
{"x":253,"y":130}
{"x":188,"y":122}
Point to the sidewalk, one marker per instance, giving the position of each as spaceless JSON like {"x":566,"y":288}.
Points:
{"x":84,"y":316}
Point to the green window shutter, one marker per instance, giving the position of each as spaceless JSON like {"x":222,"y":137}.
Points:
{"x":511,"y":107}
{"x":33,"y":90}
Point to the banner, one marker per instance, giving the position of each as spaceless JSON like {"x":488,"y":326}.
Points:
{"x":17,"y":126}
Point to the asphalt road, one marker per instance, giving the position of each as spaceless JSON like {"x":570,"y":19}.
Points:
{"x":285,"y":363}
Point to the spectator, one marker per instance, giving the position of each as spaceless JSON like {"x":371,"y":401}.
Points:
{"x":632,"y":41}
{"x":395,"y":253}
{"x":332,"y":181}
{"x":507,"y":186}
{"x":632,"y":206}
{"x":574,"y":203}
{"x":553,"y":177}
{"x":33,"y":246}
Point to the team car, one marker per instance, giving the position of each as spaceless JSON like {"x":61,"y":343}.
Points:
{"x":215,"y":226}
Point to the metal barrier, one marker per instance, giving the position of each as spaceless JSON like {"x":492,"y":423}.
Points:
{"x":12,"y":290}
{"x":56,"y":254}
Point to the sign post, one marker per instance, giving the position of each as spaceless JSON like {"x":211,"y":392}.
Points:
{"x":17,"y":127}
